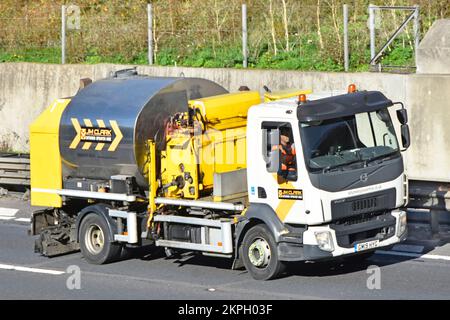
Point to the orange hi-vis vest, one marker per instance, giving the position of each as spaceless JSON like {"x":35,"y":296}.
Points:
{"x":288,"y":157}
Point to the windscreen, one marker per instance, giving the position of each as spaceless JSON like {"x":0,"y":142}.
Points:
{"x":357,"y":139}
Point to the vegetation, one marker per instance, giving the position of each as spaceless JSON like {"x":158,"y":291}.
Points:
{"x":282,"y":34}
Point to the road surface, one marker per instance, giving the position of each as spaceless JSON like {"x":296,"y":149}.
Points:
{"x":410,"y":271}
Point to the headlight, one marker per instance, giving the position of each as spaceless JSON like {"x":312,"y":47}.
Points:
{"x":324,"y":240}
{"x":401,"y":228}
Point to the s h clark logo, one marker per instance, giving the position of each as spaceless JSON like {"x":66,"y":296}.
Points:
{"x":98,"y":135}
{"x":290,"y":194}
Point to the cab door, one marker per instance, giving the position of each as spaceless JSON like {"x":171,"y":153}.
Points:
{"x":268,"y":181}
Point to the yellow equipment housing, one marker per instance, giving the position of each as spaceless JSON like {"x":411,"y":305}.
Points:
{"x":44,"y":155}
{"x":215,"y":144}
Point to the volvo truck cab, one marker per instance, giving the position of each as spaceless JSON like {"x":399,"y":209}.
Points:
{"x":346,"y":192}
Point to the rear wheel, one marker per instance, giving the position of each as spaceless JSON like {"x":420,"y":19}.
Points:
{"x":95,"y":241}
{"x":259,"y":254}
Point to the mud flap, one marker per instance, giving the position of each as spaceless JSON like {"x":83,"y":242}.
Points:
{"x":54,"y":242}
{"x":55,"y":237}
{"x":42,"y":219}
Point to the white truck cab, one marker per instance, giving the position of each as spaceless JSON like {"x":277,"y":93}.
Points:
{"x":345,"y":192}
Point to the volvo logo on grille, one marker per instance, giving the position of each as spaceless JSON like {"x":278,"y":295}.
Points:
{"x":363,"y":177}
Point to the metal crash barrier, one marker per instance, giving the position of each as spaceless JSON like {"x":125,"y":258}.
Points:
{"x":429,"y":195}
{"x":14,"y":169}
{"x":434,"y":196}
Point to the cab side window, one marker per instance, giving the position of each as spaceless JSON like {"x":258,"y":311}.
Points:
{"x":278,"y":147}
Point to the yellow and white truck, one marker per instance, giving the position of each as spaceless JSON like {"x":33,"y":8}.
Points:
{"x":183,"y":164}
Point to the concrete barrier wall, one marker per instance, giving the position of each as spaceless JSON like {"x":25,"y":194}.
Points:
{"x":428,"y":103}
{"x":26,"y":89}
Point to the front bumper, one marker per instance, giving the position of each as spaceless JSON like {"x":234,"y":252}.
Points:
{"x":309,"y":249}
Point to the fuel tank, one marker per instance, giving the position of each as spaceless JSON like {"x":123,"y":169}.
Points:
{"x":104,"y":129}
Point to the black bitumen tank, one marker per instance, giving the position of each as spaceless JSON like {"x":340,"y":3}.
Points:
{"x":105,"y":127}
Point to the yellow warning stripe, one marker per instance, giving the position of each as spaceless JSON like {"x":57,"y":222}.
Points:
{"x":77,"y":138}
{"x":284,"y":206}
{"x":118,"y":137}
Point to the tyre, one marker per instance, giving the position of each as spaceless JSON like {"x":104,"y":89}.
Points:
{"x":260,"y":255}
{"x":95,"y":241}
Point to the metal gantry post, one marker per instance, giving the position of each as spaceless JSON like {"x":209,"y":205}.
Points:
{"x":63,"y":34}
{"x":346,"y":57}
{"x":150,"y":33}
{"x":244,"y":36}
{"x":414,"y":15}
{"x":372,"y":30}
{"x":416,"y":32}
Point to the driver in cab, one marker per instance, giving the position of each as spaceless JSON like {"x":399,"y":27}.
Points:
{"x":287,"y":150}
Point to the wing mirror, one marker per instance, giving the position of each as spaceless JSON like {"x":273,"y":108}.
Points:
{"x":272,"y":155}
{"x":406,"y":139}
{"x":272,"y":158}
{"x":402,"y":116}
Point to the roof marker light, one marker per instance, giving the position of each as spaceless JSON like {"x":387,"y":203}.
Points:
{"x":301,"y":99}
{"x":352,"y":88}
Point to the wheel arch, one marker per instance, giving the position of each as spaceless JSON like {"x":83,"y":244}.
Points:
{"x":258,"y":213}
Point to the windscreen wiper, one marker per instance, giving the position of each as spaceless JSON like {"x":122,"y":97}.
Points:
{"x":328,"y":168}
{"x":382,"y":157}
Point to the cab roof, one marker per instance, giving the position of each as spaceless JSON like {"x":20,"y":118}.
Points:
{"x":342,"y":106}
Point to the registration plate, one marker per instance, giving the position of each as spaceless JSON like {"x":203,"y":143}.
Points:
{"x":366,"y":245}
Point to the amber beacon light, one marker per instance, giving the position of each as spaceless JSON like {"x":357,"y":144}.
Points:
{"x":302,"y":99}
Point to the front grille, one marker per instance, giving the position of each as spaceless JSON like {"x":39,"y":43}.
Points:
{"x":374,"y":202}
{"x":361,"y":218}
{"x":364,"y":204}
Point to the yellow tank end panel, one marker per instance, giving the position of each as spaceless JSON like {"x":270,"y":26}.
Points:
{"x":45,"y":159}
{"x":284,"y":94}
{"x":226,"y":106}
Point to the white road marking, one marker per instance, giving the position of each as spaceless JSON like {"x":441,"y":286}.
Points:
{"x":27,"y":269}
{"x":408,"y":248}
{"x":8,"y":212}
{"x":6,"y":218}
{"x":23,"y":219}
{"x":414,"y":255}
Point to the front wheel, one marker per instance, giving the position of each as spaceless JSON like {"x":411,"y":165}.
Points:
{"x":95,"y":241}
{"x":260,"y":255}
